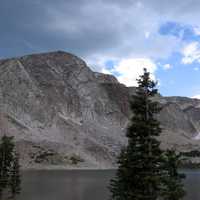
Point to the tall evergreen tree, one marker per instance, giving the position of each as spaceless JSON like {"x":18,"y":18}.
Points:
{"x":141,"y":174}
{"x":15,"y":177}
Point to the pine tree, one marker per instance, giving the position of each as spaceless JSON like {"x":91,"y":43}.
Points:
{"x":6,"y":158}
{"x":15,"y":177}
{"x":173,"y":186}
{"x":9,"y":168}
{"x":142,"y":168}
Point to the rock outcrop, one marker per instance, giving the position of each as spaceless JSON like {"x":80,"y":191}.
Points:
{"x":64,"y":115}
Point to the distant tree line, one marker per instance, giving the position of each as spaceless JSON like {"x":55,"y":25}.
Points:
{"x":10,"y":179}
{"x":194,"y":153}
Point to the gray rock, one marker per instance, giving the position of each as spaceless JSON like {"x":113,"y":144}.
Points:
{"x":63,"y":115}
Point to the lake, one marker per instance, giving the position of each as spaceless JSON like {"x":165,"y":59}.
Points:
{"x":84,"y":185}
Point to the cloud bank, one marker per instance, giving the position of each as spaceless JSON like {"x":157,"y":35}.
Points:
{"x":132,"y":34}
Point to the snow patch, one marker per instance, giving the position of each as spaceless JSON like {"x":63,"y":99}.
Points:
{"x":197,"y":137}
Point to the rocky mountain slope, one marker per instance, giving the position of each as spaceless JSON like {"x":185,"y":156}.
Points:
{"x":63,"y":115}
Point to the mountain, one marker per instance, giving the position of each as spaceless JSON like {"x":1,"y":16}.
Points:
{"x":64,"y":115}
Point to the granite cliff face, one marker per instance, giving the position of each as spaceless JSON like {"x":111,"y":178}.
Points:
{"x":63,"y":115}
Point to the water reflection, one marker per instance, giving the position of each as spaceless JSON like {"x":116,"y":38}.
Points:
{"x":66,"y":185}
{"x":84,"y":185}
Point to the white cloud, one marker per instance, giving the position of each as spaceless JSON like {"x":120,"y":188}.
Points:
{"x":147,"y":34}
{"x":106,"y":71}
{"x":130,"y":69}
{"x":191,"y":53}
{"x":196,"y":69}
{"x":167,"y":66}
{"x":126,"y":70}
{"x":196,"y":96}
{"x":196,"y":30}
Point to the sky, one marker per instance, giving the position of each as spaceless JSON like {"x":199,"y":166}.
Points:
{"x":118,"y":37}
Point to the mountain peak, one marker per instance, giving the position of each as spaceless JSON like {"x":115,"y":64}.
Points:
{"x":58,"y":108}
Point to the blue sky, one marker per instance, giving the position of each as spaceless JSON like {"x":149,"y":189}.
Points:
{"x":116,"y":37}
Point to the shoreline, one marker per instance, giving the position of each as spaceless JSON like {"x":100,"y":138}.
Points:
{"x":64,"y":168}
{"x":67,"y":169}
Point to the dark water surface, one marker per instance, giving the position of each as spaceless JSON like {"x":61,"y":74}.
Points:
{"x":84,"y":185}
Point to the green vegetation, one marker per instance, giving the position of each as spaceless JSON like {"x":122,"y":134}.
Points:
{"x":194,"y":153}
{"x":145,"y":171}
{"x":173,"y":189}
{"x":44,"y":156}
{"x":75,"y":159}
{"x":10,"y":179}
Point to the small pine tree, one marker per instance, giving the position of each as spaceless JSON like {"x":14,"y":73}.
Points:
{"x":142,"y":168}
{"x":6,"y":158}
{"x":15,"y":177}
{"x":173,"y":186}
{"x":9,"y":168}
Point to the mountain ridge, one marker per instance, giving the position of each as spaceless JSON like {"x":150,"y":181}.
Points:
{"x":64,"y":115}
